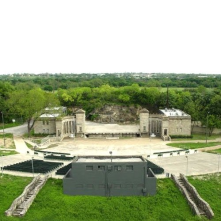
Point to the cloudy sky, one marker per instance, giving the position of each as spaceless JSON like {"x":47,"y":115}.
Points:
{"x":95,"y":36}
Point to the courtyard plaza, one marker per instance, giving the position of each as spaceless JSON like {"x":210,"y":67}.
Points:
{"x":193,"y":163}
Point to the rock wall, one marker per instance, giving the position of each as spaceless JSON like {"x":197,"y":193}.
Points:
{"x":116,"y":114}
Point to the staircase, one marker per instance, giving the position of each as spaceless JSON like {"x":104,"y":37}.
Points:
{"x":21,"y":204}
{"x":197,"y":204}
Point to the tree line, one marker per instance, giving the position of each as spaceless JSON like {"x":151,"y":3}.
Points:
{"x":52,"y":82}
{"x":28,"y":101}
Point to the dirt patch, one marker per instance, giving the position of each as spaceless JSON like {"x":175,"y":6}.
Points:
{"x":9,"y":143}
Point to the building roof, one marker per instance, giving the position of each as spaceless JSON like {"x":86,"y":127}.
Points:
{"x":173,"y":112}
{"x":49,"y":115}
{"x":55,"y":108}
{"x":108,"y":159}
{"x":80,"y":111}
{"x":144,"y":110}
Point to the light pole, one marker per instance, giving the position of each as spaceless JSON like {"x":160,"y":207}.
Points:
{"x":3,"y":127}
{"x":2,"y":165}
{"x":32,"y":165}
{"x":207,"y":126}
{"x":110,"y":152}
{"x":186,"y":165}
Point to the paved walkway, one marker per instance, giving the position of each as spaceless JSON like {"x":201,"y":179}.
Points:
{"x":17,"y":131}
{"x":20,"y":145}
{"x":192,"y":164}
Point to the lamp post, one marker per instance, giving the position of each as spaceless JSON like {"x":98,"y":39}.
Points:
{"x":32,"y":165}
{"x":3,"y":127}
{"x":110,"y":152}
{"x":186,"y":165}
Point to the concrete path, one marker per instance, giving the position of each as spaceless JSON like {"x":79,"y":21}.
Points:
{"x":17,"y":131}
{"x":20,"y":145}
{"x":193,"y":164}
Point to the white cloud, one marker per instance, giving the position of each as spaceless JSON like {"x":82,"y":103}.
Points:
{"x":73,"y":36}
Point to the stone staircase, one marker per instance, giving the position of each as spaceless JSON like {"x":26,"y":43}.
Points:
{"x":197,"y":204}
{"x":21,"y":204}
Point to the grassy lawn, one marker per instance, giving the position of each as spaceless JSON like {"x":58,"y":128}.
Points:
{"x":52,"y":204}
{"x":10,"y":188}
{"x":7,"y":152}
{"x":215,"y":151}
{"x":29,"y":146}
{"x":6,"y":135}
{"x":209,"y":188}
{"x":193,"y":145}
{"x":198,"y":137}
{"x":9,"y":125}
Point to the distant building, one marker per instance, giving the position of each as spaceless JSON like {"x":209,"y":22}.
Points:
{"x":163,"y":124}
{"x":109,"y":176}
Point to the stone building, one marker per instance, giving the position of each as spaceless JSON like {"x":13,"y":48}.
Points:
{"x":163,"y":124}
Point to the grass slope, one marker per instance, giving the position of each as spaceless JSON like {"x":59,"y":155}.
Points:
{"x":209,"y":188}
{"x":10,"y":188}
{"x":52,"y":204}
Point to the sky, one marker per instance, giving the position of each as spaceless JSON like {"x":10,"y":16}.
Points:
{"x":109,"y":36}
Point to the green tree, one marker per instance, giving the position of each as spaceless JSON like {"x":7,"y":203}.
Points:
{"x":30,"y":104}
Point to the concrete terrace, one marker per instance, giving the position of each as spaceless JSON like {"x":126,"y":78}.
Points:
{"x":196,"y":163}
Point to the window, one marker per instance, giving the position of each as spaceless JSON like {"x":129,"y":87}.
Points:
{"x":117,"y":186}
{"x":101,"y":168}
{"x":89,"y":168}
{"x":117,"y":168}
{"x":144,"y":128}
{"x":90,"y":186}
{"x":129,"y":167}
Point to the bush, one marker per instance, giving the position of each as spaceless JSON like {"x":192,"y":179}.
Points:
{"x":181,"y":136}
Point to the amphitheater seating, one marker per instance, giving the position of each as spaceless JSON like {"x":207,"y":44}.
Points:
{"x":39,"y":166}
{"x":64,"y":170}
{"x":58,"y":157}
{"x":155,"y":168}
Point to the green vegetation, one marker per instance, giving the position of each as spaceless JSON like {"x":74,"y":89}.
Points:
{"x":6,"y":135}
{"x":9,"y":125}
{"x":29,"y":145}
{"x":193,"y":145}
{"x":10,"y":188}
{"x":7,"y":152}
{"x":217,"y":151}
{"x":52,"y":204}
{"x":24,"y":97}
{"x":198,"y":137}
{"x":209,"y":188}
